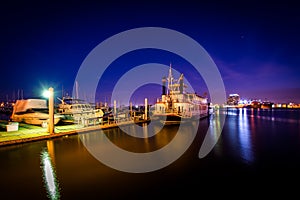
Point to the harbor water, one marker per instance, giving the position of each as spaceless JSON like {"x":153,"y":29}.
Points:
{"x":257,"y":149}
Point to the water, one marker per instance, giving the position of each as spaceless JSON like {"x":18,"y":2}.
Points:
{"x":257,"y":149}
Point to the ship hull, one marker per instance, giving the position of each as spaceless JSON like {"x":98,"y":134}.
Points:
{"x":171,"y":118}
{"x":167,"y":118}
{"x":34,"y":119}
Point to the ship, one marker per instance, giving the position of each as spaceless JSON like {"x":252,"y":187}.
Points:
{"x":177,"y":104}
{"x":32,"y":111}
{"x":77,"y":111}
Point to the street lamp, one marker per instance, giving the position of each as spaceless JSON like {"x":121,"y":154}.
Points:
{"x":50,"y":95}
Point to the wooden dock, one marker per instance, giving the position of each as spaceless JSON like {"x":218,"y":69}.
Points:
{"x":30,"y":133}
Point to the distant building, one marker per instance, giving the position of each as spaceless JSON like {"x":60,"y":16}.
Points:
{"x":233,"y":99}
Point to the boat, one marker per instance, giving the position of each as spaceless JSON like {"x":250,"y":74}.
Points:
{"x":32,"y":111}
{"x":78,"y":111}
{"x":176,"y":104}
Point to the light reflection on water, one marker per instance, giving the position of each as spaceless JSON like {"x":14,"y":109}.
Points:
{"x":49,"y":176}
{"x":252,"y":139}
{"x":239,"y":134}
{"x":131,"y":143}
{"x":244,"y":135}
{"x":245,"y":122}
{"x":215,"y":126}
{"x":120,"y":154}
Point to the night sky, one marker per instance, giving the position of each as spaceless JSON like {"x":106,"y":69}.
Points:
{"x":255,"y":45}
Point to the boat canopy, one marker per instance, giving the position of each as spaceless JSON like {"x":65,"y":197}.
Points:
{"x":24,"y":104}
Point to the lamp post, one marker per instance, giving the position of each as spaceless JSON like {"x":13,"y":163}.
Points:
{"x":50,"y":95}
{"x":51,"y":110}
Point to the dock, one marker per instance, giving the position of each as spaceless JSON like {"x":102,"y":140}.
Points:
{"x":31,"y":133}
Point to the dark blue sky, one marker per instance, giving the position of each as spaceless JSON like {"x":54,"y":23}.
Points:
{"x":255,"y":45}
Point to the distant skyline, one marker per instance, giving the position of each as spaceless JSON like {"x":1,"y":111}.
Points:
{"x":255,"y":45}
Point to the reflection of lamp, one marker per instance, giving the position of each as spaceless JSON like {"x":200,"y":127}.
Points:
{"x":50,"y":95}
{"x":49,"y":176}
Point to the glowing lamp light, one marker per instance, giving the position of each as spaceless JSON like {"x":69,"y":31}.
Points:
{"x":46,"y":94}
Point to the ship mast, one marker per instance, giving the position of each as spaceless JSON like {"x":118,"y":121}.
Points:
{"x":76,"y":90}
{"x":170,"y":79}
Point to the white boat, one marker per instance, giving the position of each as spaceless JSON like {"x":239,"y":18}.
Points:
{"x":32,"y":111}
{"x":176,"y":104}
{"x":77,"y":111}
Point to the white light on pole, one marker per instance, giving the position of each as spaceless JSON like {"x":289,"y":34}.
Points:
{"x":50,"y":94}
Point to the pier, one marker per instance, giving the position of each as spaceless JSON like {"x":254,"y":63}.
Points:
{"x":31,"y":133}
{"x":21,"y":132}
